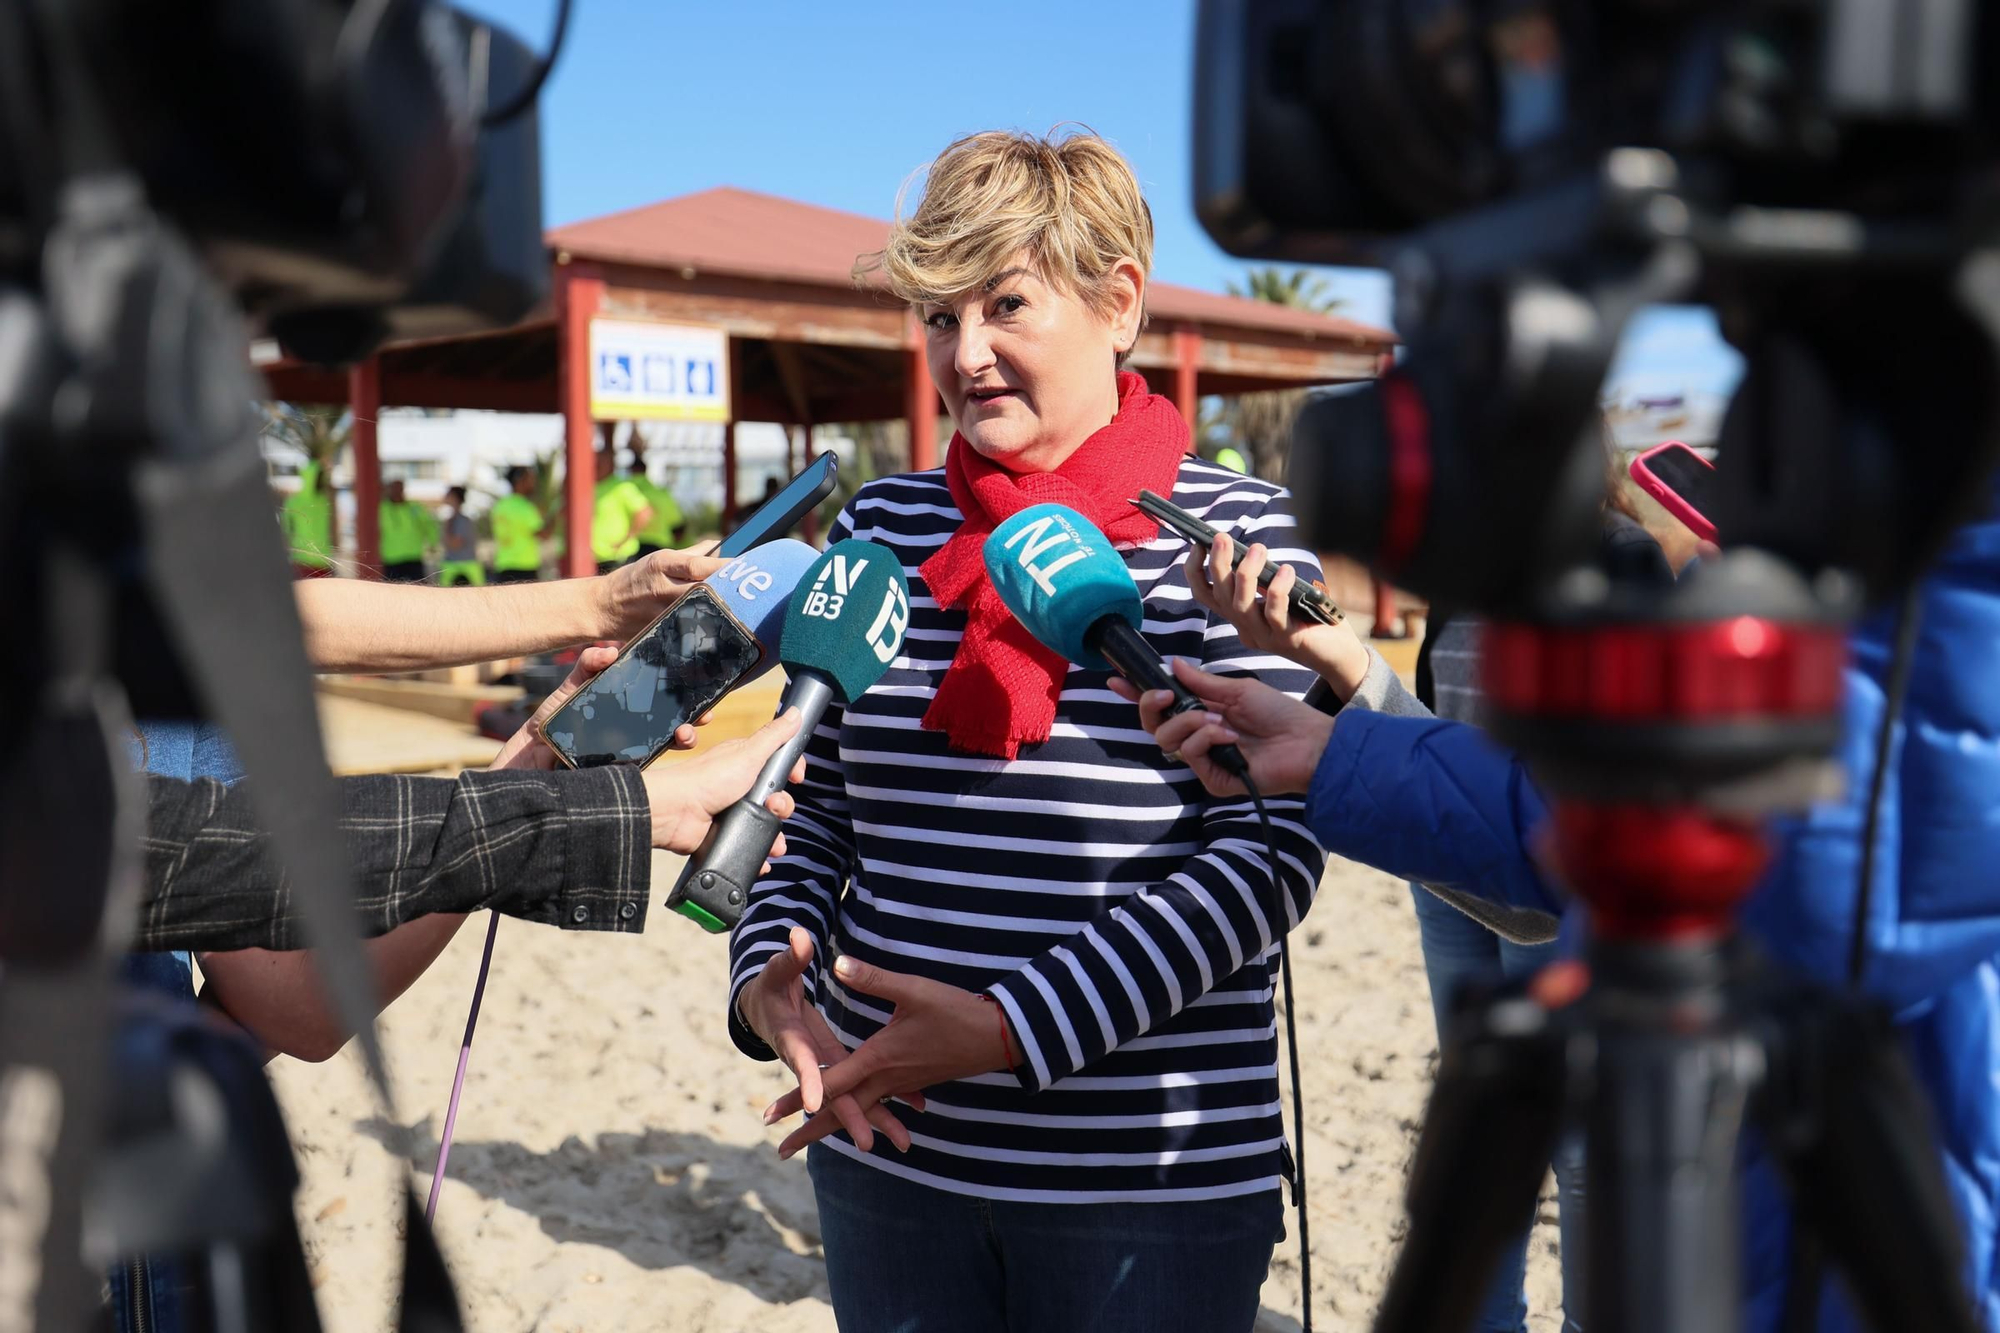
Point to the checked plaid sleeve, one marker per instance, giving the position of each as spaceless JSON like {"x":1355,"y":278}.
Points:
{"x":569,"y":849}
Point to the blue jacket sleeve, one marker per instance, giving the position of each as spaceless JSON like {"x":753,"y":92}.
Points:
{"x":1434,"y":801}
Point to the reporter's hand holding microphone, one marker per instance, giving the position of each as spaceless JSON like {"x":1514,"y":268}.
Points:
{"x":1282,"y":738}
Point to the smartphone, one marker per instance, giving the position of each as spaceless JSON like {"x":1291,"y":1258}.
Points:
{"x":1308,"y":599}
{"x":678,"y":668}
{"x":782,"y":512}
{"x":1682,"y":481}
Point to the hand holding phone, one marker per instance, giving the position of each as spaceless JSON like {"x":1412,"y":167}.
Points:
{"x":718,"y":635}
{"x":1309,"y":600}
{"x":1682,"y":481}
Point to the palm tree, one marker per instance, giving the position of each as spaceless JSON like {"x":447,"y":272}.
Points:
{"x":1300,"y":289}
{"x":319,"y":431}
{"x":1260,"y":424}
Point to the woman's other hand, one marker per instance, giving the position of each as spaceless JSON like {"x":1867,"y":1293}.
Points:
{"x":1227,"y":587}
{"x":936,"y":1034}
{"x":1282,"y":737}
{"x":775,"y":1007}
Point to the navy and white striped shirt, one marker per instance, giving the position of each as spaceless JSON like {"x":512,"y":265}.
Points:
{"x":1115,"y":909}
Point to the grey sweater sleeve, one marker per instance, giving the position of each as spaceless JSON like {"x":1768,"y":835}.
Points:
{"x":1382,"y":691}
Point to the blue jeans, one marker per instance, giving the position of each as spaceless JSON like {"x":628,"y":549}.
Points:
{"x":1456,"y":949}
{"x":907,"y":1258}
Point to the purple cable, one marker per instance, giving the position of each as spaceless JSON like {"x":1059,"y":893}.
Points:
{"x":464,"y":1054}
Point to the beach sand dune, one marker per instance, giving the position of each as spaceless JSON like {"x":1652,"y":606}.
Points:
{"x":611,"y":1171}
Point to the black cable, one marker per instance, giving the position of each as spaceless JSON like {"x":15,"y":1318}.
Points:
{"x":524,"y":99}
{"x":1908,"y":620}
{"x":1278,"y":917}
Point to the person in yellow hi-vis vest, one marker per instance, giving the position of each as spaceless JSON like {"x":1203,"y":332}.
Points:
{"x":621,"y":514}
{"x":517,"y":527}
{"x":408,"y":530}
{"x":307,"y":518}
{"x":658,"y":534}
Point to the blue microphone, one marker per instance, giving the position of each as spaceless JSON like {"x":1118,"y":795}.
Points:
{"x":1062,"y":580}
{"x":757,"y":587}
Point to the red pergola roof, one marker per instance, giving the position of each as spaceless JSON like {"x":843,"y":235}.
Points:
{"x":745,"y":233}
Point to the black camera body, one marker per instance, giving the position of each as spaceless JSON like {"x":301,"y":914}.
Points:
{"x":326,"y":159}
{"x":1534,"y":173}
{"x":172,"y":176}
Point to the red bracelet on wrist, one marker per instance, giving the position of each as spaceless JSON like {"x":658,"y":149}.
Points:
{"x":1006,"y":1038}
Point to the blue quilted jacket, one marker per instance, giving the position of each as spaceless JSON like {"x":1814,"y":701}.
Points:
{"x":1439,"y":802}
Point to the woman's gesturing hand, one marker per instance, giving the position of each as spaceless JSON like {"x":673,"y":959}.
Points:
{"x":1282,"y":737}
{"x":775,"y":1007}
{"x":1227,"y":587}
{"x":938,"y":1033}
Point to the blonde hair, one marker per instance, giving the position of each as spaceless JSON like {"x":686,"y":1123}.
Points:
{"x":1069,"y":200}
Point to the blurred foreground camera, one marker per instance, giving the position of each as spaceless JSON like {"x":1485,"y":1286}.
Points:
{"x":1534,"y":173}
{"x":326,"y":158}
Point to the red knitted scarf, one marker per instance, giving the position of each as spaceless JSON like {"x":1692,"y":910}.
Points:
{"x":1001,"y":688}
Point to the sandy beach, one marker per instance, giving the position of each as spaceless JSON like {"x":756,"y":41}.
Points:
{"x":611,"y":1173}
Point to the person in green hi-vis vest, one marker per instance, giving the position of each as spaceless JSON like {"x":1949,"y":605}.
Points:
{"x":658,"y":534}
{"x":408,"y":530}
{"x":517,"y":526}
{"x":461,"y":544}
{"x":620,"y":515}
{"x":307,"y":519}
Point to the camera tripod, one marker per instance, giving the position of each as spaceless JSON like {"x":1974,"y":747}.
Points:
{"x":1670,"y":1039}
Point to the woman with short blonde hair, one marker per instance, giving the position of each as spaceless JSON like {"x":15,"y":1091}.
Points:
{"x":1043,"y":1060}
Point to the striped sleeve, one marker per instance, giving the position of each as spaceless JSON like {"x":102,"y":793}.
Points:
{"x":804,"y":885}
{"x":1170,"y":944}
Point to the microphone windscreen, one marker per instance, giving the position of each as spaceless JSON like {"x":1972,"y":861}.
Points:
{"x":1059,"y":576}
{"x":757,"y":587}
{"x":847,"y":617}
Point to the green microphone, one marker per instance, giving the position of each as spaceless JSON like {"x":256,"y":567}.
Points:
{"x":844,"y":626}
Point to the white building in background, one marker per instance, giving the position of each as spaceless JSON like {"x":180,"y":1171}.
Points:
{"x":433,"y":451}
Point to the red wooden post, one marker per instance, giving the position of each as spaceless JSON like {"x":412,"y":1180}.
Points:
{"x":364,"y":400}
{"x":920,"y":407}
{"x":579,"y":294}
{"x":1187,"y":362}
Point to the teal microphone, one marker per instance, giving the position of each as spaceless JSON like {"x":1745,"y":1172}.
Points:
{"x":842,"y":628}
{"x":1062,"y":580}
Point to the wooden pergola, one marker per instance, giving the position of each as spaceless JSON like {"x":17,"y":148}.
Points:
{"x":805,"y":343}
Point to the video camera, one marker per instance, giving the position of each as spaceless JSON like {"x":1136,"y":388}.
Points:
{"x":1533,"y":172}
{"x":340,"y":172}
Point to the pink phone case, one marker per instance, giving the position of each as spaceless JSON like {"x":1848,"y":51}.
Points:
{"x":1672,"y":503}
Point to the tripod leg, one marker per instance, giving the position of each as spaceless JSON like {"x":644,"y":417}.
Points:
{"x":1488,"y":1134}
{"x":1666,"y":1112}
{"x":1862,"y":1160}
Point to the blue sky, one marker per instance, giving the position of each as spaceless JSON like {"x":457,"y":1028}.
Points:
{"x":837,"y":103}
